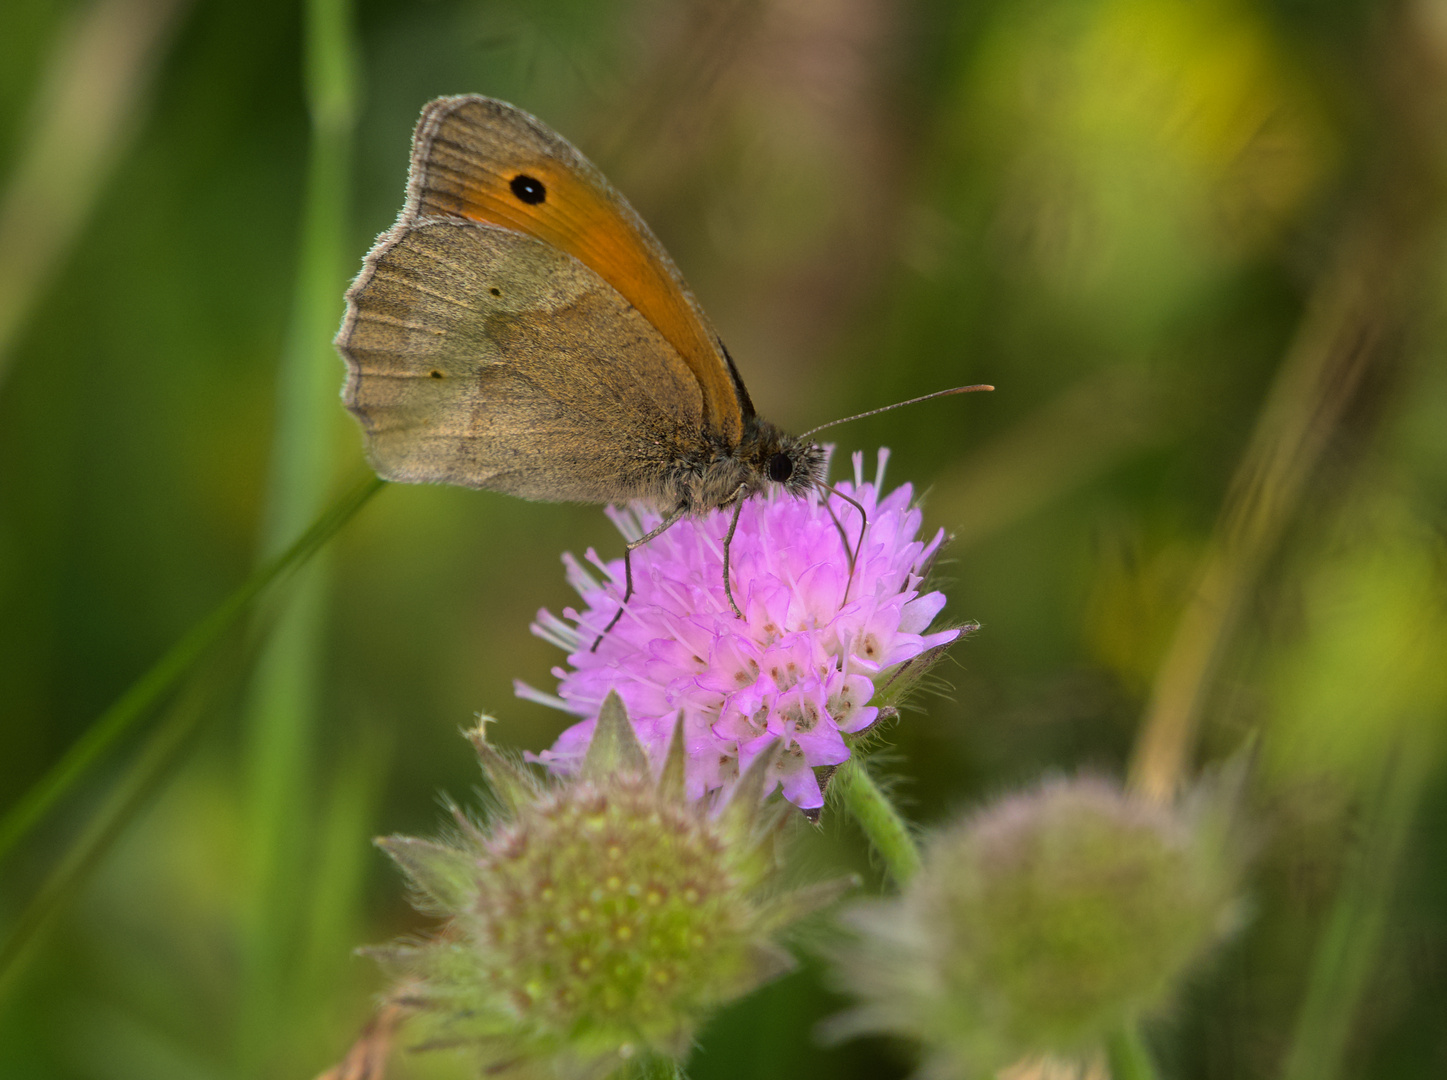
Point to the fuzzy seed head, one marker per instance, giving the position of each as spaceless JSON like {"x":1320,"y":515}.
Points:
{"x":1038,"y":927}
{"x":610,"y":905}
{"x":601,"y":919}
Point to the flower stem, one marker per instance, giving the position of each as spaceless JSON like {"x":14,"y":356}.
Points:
{"x":1129,"y":1059}
{"x":885,"y":827}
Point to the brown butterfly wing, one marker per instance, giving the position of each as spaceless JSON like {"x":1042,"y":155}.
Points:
{"x":467,"y":153}
{"x":482,"y":357}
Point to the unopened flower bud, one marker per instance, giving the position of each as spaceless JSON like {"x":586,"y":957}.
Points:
{"x":1039,"y":926}
{"x":598,"y":919}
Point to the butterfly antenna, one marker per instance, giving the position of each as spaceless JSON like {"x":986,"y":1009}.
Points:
{"x":900,"y":405}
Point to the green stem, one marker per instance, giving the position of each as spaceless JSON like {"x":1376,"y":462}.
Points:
{"x":886,"y":829}
{"x":163,"y":677}
{"x":1129,"y":1059}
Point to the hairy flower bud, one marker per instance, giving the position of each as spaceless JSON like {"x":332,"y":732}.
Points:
{"x":597,"y":920}
{"x":1039,"y":927}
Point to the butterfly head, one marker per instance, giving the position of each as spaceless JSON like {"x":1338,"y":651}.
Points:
{"x":793,"y":463}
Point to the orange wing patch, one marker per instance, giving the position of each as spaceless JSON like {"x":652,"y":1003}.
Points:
{"x":484,"y":161}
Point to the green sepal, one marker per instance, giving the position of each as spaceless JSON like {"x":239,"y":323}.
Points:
{"x":671,"y":782}
{"x":651,"y":1067}
{"x":512,"y":784}
{"x":740,"y":814}
{"x":444,"y":875}
{"x":614,"y":748}
{"x":766,"y":961}
{"x":469,"y":829}
{"x":754,"y":855}
{"x":781,"y":910}
{"x":896,"y":683}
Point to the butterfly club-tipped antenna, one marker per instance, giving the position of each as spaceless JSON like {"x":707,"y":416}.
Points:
{"x":828,"y":489}
{"x":737,"y":499}
{"x":899,"y":405}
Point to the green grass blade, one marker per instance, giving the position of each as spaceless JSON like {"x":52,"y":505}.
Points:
{"x":141,"y":780}
{"x":1351,"y":941}
{"x":92,"y":99}
{"x":283,"y":778}
{"x":1129,"y":1057}
{"x":168,"y":672}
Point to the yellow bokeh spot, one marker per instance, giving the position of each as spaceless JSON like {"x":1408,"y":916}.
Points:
{"x":1147,"y":144}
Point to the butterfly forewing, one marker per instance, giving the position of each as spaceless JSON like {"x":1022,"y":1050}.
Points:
{"x":483,"y":357}
{"x":487,"y":161}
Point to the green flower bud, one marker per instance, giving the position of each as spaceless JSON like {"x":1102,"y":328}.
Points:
{"x":1039,"y":927}
{"x":596,"y":921}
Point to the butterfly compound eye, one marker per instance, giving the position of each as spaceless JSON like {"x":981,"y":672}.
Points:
{"x":781,"y":467}
{"x":528,"y":189}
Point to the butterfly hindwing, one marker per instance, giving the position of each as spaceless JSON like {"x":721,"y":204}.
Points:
{"x":483,"y":357}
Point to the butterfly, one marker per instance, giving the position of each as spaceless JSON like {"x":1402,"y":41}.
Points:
{"x":520,"y":329}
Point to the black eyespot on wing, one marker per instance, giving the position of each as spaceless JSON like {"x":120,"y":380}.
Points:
{"x":781,"y":467}
{"x":436,"y":374}
{"x":528,"y":189}
{"x":495,"y":291}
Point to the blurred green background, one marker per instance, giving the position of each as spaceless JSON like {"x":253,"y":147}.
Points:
{"x":1197,"y":245}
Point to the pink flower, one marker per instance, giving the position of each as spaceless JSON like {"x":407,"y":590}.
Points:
{"x":804,"y":664}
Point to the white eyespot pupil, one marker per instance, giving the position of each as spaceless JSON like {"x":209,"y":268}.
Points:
{"x":528,"y":189}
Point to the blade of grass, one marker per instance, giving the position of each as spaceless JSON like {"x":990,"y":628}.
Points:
{"x":1357,"y":322}
{"x":280,"y":726}
{"x":91,"y":98}
{"x":1362,"y":313}
{"x":168,"y":672}
{"x":131,"y":793}
{"x":344,"y":851}
{"x":1346,"y":954}
{"x":1128,"y":1056}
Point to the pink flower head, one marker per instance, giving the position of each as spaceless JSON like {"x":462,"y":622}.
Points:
{"x":803,"y":664}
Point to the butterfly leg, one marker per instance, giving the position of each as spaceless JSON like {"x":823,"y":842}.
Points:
{"x":663,"y":527}
{"x":851,"y":556}
{"x":728,"y":540}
